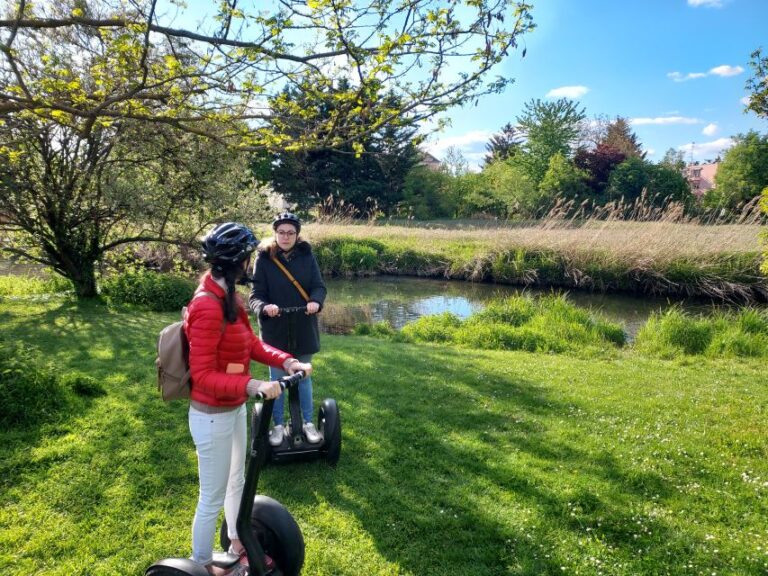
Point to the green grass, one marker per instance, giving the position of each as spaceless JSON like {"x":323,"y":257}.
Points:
{"x":454,"y":461}
{"x":15,"y":285}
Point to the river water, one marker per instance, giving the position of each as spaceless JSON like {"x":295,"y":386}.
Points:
{"x":400,"y":300}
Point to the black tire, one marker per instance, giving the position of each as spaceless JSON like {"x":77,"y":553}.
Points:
{"x":176,"y":567}
{"x":329,"y":423}
{"x":278,"y":534}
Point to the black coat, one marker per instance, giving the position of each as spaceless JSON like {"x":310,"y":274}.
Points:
{"x":296,"y":333}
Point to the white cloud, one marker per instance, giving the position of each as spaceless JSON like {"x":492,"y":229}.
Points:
{"x":567,"y":92}
{"x":709,"y":3}
{"x":650,"y":152}
{"x":725,"y":70}
{"x":710,"y":130}
{"x":467,"y":143}
{"x":664,"y":120}
{"x":745,"y":100}
{"x":706,"y":150}
{"x":677,"y":77}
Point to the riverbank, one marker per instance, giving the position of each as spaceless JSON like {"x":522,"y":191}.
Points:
{"x":652,"y":258}
{"x":527,"y":463}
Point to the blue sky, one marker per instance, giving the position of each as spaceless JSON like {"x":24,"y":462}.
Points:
{"x":675,"y":68}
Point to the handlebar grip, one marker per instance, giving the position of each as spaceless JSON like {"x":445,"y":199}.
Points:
{"x":286,"y":381}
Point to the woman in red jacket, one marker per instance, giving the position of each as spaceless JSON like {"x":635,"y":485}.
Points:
{"x":221,"y":347}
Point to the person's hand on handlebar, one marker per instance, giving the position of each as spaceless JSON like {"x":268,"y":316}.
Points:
{"x":271,"y":310}
{"x":268,"y":390}
{"x":292,"y":365}
{"x":312,"y":307}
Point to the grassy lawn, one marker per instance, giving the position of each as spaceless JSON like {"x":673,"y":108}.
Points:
{"x":454,"y":461}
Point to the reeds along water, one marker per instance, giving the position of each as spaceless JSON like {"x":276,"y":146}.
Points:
{"x":646,"y":246}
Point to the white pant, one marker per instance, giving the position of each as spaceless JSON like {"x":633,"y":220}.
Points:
{"x":220,"y":441}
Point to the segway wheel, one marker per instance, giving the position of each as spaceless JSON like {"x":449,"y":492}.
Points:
{"x":176,"y":567}
{"x":278,"y":534}
{"x":329,"y":422}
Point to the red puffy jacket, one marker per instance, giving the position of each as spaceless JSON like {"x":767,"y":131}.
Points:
{"x":212,"y":351}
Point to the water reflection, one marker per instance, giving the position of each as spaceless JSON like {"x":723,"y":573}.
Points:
{"x":399,"y":300}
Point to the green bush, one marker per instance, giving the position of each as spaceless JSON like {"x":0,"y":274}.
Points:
{"x":515,"y":310}
{"x":153,"y":290}
{"x":348,"y":256}
{"x":437,"y":328}
{"x":328,"y":260}
{"x":82,"y":384}
{"x":26,"y":285}
{"x":381,"y":329}
{"x":498,"y":336}
{"x":727,"y":334}
{"x":674,"y":332}
{"x":357,"y":259}
{"x":547,"y":324}
{"x":30,"y":392}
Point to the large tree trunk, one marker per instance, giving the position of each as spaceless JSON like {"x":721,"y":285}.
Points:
{"x":81,"y":270}
{"x":85,"y":282}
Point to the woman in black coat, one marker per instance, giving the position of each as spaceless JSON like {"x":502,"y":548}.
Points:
{"x":296,"y":333}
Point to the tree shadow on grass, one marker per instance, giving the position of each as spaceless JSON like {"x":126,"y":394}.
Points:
{"x":430,"y":473}
{"x":104,"y":480}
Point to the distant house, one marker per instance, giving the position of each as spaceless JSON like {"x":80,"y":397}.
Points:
{"x":701,"y":177}
{"x":429,"y":161}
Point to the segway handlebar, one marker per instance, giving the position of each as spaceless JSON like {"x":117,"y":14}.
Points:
{"x":293,"y":309}
{"x":287,"y":381}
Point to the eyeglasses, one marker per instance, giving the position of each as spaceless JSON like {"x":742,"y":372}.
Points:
{"x":288,"y":233}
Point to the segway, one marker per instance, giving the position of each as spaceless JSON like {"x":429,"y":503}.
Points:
{"x":295,"y":446}
{"x":264,"y":525}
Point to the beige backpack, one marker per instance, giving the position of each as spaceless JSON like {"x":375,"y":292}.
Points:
{"x":173,"y":358}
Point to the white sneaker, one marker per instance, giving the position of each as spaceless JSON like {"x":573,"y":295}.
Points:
{"x":313,"y":436}
{"x":276,"y":435}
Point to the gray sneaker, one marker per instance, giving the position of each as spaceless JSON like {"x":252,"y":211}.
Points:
{"x":311,"y":433}
{"x":276,"y":435}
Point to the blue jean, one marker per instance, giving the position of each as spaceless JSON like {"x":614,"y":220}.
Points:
{"x":305,"y":394}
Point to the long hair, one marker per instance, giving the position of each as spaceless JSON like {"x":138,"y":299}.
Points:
{"x":231,"y":275}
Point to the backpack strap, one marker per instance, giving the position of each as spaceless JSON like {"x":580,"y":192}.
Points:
{"x":290,"y":277}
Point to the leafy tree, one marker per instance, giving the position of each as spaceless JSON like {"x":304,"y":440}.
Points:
{"x":359,"y":178}
{"x":81,"y":63}
{"x":674,"y":159}
{"x":454,"y":162}
{"x":635,"y":177}
{"x":549,"y":128}
{"x":563,"y":180}
{"x":619,"y":137}
{"x":503,"y":145}
{"x":598,"y":164}
{"x":764,"y":233}
{"x":429,"y":194}
{"x":79,"y":70}
{"x":67,"y":198}
{"x":758,"y":84}
{"x":743,"y":173}
{"x":758,"y":103}
{"x":503,"y":190}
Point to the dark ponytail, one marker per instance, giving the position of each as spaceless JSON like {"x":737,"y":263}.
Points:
{"x":230,"y":274}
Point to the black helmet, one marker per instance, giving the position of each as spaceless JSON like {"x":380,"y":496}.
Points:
{"x":228,"y":244}
{"x":287,"y":218}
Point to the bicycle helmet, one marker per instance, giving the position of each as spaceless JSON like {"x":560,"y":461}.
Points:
{"x":228,"y":244}
{"x":287,"y":218}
